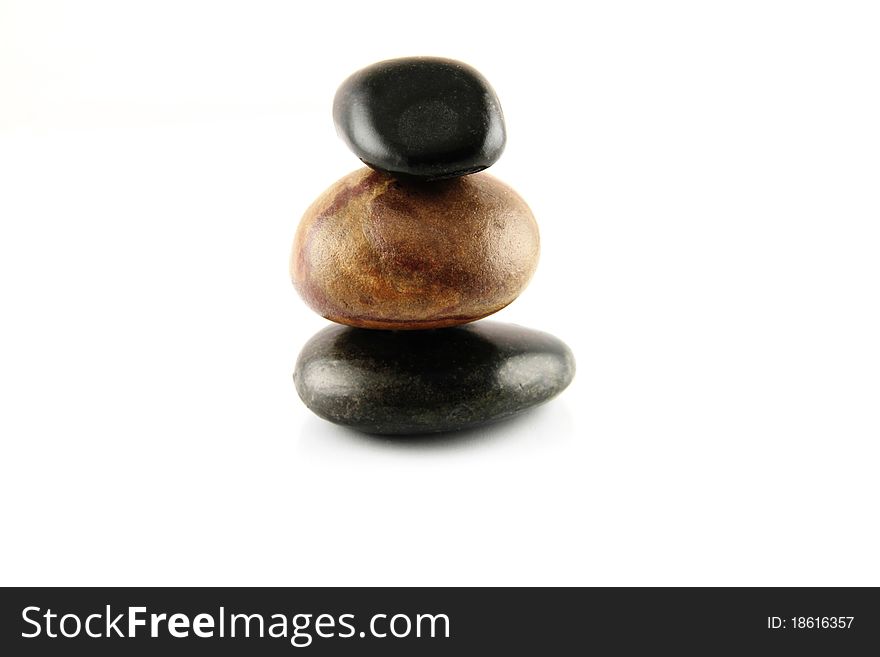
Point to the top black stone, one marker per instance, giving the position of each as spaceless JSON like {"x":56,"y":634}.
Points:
{"x":422,"y":117}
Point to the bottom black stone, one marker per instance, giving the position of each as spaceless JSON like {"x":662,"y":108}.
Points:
{"x":411,"y":382}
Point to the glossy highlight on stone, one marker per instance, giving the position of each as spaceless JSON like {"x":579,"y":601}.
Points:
{"x":376,"y":252}
{"x":424,"y":117}
{"x":412,"y":382}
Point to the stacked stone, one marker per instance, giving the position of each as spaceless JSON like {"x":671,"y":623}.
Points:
{"x":405,"y":252}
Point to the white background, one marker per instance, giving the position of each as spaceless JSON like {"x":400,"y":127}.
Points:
{"x":706,"y":177}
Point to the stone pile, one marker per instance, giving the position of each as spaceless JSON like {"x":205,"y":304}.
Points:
{"x":404,"y":253}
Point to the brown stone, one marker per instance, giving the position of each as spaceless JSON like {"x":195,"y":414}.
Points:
{"x":377,"y":252}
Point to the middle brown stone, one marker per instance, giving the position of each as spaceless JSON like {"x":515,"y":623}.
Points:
{"x":377,"y":252}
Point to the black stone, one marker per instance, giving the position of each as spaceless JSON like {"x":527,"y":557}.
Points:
{"x":421,"y":117}
{"x":411,"y":382}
